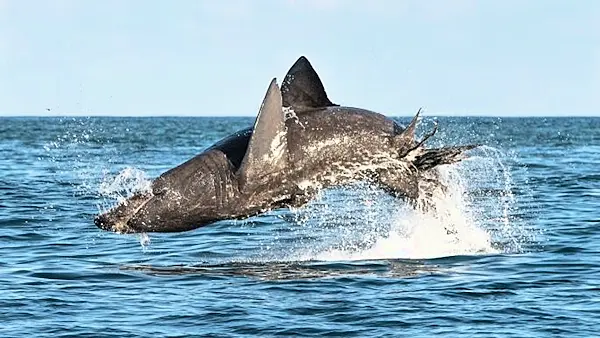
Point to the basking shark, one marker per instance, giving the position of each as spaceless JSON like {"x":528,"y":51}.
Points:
{"x":300,"y":143}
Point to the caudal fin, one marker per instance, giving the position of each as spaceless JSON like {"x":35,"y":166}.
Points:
{"x":420,"y":164}
{"x":421,"y":158}
{"x":431,"y":158}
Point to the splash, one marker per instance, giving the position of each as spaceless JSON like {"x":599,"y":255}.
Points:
{"x":492,"y":193}
{"x":474,"y":215}
{"x":122,"y":186}
{"x":144,"y":241}
{"x":448,"y":229}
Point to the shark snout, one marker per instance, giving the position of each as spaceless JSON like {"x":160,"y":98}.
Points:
{"x":117,"y":218}
{"x":109,"y":222}
{"x":103,"y":222}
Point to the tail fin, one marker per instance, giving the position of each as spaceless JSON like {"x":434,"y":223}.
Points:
{"x":406,"y":141}
{"x":431,"y":158}
{"x":428,"y":180}
{"x":420,"y":162}
{"x":426,"y":159}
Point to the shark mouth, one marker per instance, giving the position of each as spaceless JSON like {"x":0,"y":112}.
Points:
{"x":117,"y":218}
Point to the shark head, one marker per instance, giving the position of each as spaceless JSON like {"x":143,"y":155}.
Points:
{"x":182,"y":198}
{"x":207,"y":187}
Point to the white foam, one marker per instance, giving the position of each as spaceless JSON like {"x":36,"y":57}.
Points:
{"x":415,"y":235}
{"x":460,"y":223}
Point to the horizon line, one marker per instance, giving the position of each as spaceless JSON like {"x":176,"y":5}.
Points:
{"x":243,"y":116}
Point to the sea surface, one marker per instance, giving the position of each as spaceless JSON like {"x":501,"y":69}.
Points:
{"x":514,"y":250}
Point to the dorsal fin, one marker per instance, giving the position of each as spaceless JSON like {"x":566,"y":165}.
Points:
{"x":267,"y":149}
{"x":302,"y":88}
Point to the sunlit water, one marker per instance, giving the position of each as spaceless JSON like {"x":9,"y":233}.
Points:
{"x":511,"y":249}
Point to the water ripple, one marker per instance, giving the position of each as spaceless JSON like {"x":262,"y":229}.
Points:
{"x":514,"y":254}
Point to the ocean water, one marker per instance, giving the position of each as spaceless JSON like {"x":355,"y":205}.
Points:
{"x":513,"y":252}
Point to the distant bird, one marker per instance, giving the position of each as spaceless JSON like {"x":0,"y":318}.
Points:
{"x":48,"y":109}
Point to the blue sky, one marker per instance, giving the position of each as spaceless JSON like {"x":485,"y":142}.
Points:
{"x":455,"y":57}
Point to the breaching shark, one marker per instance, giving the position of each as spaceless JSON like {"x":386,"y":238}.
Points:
{"x":300,"y":143}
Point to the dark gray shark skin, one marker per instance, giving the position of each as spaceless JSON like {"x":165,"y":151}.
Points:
{"x":300,"y":143}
